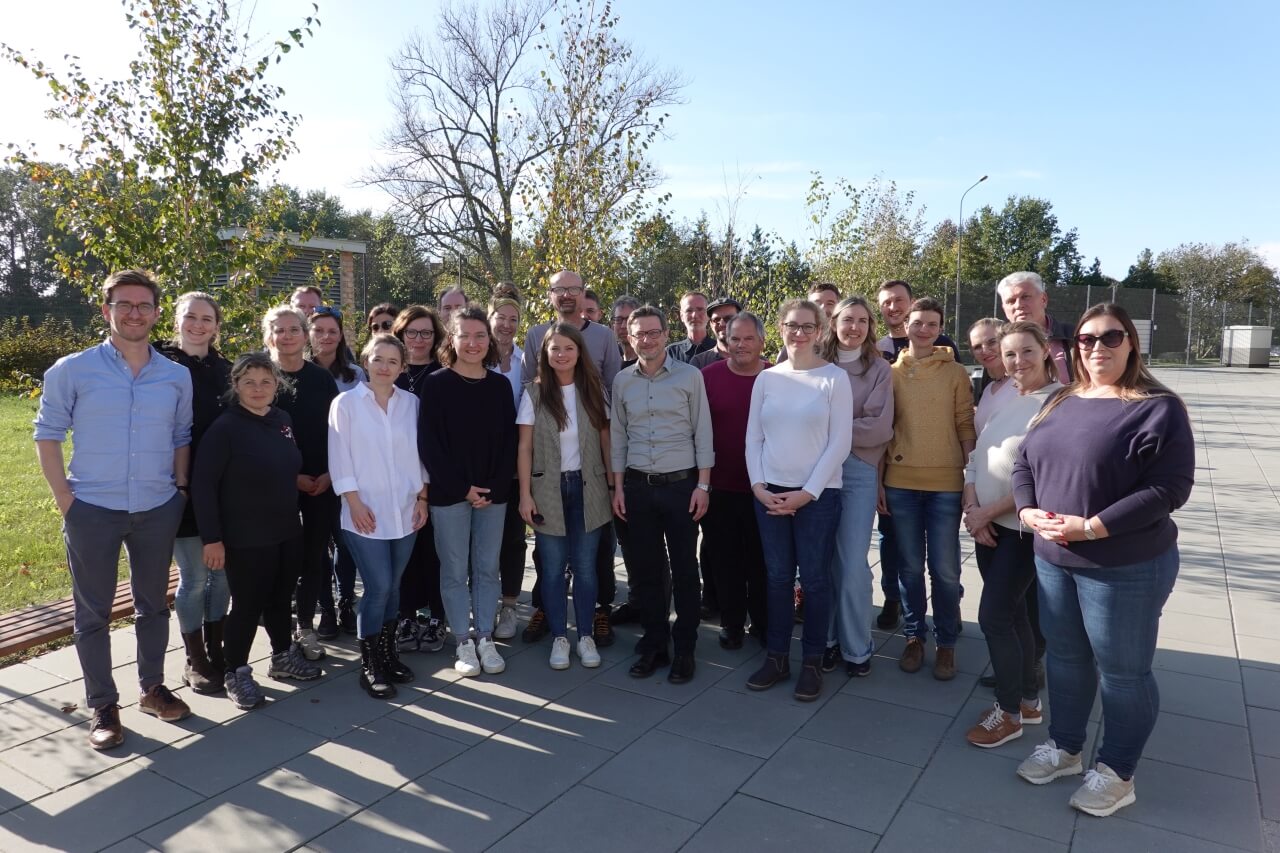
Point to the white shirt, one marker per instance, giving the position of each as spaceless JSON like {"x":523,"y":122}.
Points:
{"x":514,"y":375}
{"x":800,"y":427}
{"x":375,"y":454}
{"x":570,"y":451}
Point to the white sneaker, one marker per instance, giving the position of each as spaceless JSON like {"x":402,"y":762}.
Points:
{"x":310,"y":643}
{"x":1048,"y":762}
{"x":560,"y":653}
{"x":467,"y":665}
{"x":490,"y":660}
{"x":587,"y":652}
{"x":506,"y":625}
{"x":1103,"y":793}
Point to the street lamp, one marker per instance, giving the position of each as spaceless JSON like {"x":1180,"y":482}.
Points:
{"x":959,"y":249}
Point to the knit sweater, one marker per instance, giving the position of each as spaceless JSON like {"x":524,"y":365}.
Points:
{"x":990,"y":467}
{"x":872,"y":386}
{"x":932,"y":415}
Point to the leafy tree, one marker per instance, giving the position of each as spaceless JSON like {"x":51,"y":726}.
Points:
{"x":1023,"y":235}
{"x":873,"y":235}
{"x":1213,"y":282}
{"x":1143,"y":274}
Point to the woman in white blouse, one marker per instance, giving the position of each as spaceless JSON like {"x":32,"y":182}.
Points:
{"x":799,"y":432}
{"x":373,"y":458}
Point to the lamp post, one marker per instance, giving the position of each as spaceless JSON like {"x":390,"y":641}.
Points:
{"x":959,"y":249}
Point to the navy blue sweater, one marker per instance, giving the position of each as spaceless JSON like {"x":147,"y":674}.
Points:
{"x":467,"y":436}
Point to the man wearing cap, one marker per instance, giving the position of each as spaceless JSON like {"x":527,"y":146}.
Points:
{"x":721,"y":310}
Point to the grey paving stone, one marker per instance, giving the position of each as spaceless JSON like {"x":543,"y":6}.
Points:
{"x":1194,"y":802}
{"x":1261,"y":687}
{"x":423,"y":815}
{"x":502,"y":766}
{"x":132,"y":844}
{"x":657,"y":687}
{"x":675,"y":774}
{"x":919,"y":827}
{"x":888,"y":683}
{"x":1196,"y":659}
{"x":22,"y":679}
{"x":1201,"y":745}
{"x":815,"y":778}
{"x":1269,"y":786}
{"x":1206,"y":698}
{"x":17,"y":788}
{"x":1118,"y":834}
{"x":40,"y":713}
{"x":618,"y":824}
{"x":746,"y":823}
{"x":466,"y":719}
{"x":278,"y":811}
{"x":602,"y":716}
{"x":529,"y":673}
{"x":902,"y":734}
{"x":1259,"y":652}
{"x":96,"y":813}
{"x":1199,"y":628}
{"x":746,"y":723}
{"x":336,"y":707}
{"x":972,"y":656}
{"x":1264,"y":731}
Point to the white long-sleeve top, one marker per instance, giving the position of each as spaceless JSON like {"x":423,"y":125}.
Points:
{"x":800,"y":427}
{"x":375,"y":454}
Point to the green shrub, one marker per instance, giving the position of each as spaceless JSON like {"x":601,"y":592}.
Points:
{"x":27,"y":351}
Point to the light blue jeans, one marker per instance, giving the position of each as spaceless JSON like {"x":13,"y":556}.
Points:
{"x":851,"y":581}
{"x":380,"y":562}
{"x":203,"y":595}
{"x":468,"y":541}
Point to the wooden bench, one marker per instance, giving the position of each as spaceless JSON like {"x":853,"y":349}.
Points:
{"x":44,"y":623}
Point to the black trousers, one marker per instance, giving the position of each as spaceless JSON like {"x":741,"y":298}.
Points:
{"x":511,"y":553}
{"x":420,"y":583}
{"x":731,"y":537}
{"x":1008,"y":571}
{"x":606,"y":580}
{"x":314,"y":567}
{"x":261,"y":581}
{"x":659,"y":515}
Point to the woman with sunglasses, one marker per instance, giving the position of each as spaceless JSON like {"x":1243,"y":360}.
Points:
{"x":504,"y":317}
{"x":995,"y":387}
{"x":1106,"y":550}
{"x":381,"y":318}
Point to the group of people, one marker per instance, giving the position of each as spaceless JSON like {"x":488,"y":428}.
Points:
{"x":420,"y":464}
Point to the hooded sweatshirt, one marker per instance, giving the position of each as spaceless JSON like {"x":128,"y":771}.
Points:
{"x":932,"y":414}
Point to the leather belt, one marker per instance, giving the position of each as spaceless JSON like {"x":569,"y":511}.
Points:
{"x":633,"y":476}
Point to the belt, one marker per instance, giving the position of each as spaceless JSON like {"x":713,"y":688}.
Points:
{"x":634,"y":476}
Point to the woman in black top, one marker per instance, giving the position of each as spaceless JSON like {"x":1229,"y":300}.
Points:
{"x":202,"y":597}
{"x":243,"y":489}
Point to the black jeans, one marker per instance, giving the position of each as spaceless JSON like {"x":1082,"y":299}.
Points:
{"x":511,"y":554}
{"x":1008,"y":571}
{"x":731,"y":537}
{"x":659,"y":515}
{"x":420,"y":583}
{"x":261,"y":581}
{"x":889,"y":560}
{"x":314,"y":569}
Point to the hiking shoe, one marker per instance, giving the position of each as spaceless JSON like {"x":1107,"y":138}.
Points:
{"x":890,"y":615}
{"x":105,"y":730}
{"x":505,"y":627}
{"x":293,"y":663}
{"x":309,"y":643}
{"x":858,"y":670}
{"x":601,"y":630}
{"x":408,"y":637}
{"x":1032,"y":713}
{"x":994,"y":728}
{"x":537,"y":627}
{"x":431,"y":636}
{"x":490,"y":661}
{"x":944,"y":664}
{"x":1103,"y":793}
{"x":347,"y":616}
{"x":560,"y":653}
{"x":776,"y":667}
{"x":159,"y":702}
{"x":1048,"y":762}
{"x":242,"y":690}
{"x":327,"y":628}
{"x":912,"y":656}
{"x":587,"y":652}
{"x":831,"y":658}
{"x":467,"y":664}
{"x":799,"y":604}
{"x":809,"y":684}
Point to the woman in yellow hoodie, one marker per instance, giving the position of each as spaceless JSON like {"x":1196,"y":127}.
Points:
{"x":924,"y":480}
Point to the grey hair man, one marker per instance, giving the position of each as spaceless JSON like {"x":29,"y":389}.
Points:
{"x":1023,"y":297}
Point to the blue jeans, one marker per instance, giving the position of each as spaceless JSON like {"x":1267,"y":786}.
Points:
{"x":380,"y":562}
{"x":203,"y":595}
{"x":576,"y":550}
{"x":850,"y":572}
{"x":889,"y":560}
{"x":926,"y":526}
{"x":1104,"y":622}
{"x":468,"y":541}
{"x":805,"y":542}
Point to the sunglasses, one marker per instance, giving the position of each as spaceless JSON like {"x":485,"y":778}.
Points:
{"x":1110,"y":339}
{"x":327,"y":311}
{"x":384,"y":325}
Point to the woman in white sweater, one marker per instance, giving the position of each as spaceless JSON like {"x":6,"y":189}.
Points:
{"x":799,"y":432}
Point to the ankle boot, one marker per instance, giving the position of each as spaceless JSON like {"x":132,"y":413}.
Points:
{"x":199,"y":674}
{"x":213,"y":646}
{"x":776,"y":667}
{"x":398,"y":672}
{"x":809,"y":684}
{"x":373,"y":675}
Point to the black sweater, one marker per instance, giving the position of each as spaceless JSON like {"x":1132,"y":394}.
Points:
{"x":467,"y":436}
{"x":210,"y":378}
{"x":245,"y":488}
{"x":308,"y":406}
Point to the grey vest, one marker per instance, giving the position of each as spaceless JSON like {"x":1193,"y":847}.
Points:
{"x":544,"y":484}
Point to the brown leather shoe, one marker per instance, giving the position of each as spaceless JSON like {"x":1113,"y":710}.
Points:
{"x":944,"y":664}
{"x":912,"y":656}
{"x":159,"y":701}
{"x":105,"y":730}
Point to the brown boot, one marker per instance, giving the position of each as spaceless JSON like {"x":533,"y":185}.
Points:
{"x":199,"y":674}
{"x":944,"y":664}
{"x":912,"y":656}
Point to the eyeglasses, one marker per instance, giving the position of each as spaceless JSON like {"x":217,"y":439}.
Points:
{"x":384,"y":325}
{"x":327,"y":311}
{"x":419,"y":334}
{"x":648,"y":336}
{"x":797,"y":328}
{"x":144,"y":309}
{"x":567,"y":291}
{"x":1111,"y":339}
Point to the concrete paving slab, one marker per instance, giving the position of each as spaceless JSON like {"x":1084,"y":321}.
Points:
{"x":1201,"y":745}
{"x":1194,"y":802}
{"x":602,"y":716}
{"x":744,"y":723}
{"x":468,"y":719}
{"x":919,"y":827}
{"x":906,"y":735}
{"x":746,"y":823}
{"x":1117,"y":834}
{"x":23,"y":679}
{"x":1206,"y":698}
{"x":621,"y":825}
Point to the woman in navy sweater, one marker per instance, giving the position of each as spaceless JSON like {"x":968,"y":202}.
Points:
{"x":1105,"y":463}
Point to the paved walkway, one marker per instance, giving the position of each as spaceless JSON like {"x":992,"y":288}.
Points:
{"x":541,"y":760}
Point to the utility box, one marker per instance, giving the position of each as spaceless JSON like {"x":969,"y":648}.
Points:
{"x":1246,"y":346}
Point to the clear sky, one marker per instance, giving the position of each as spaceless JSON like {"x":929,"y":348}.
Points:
{"x":1146,"y":125}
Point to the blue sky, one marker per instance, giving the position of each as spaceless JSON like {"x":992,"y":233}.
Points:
{"x":1146,"y":125}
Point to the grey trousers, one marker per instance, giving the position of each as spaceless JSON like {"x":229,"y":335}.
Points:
{"x":93,"y":536}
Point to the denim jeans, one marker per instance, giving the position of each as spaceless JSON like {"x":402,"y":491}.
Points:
{"x":203,"y":595}
{"x":1104,"y":622}
{"x":468,"y":541}
{"x":380,"y":562}
{"x":890,"y":560}
{"x":927,"y":530}
{"x":850,"y":571}
{"x":805,"y":542}
{"x":1008,"y":572}
{"x":576,"y":552}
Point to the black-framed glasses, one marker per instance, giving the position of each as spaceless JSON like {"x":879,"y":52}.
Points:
{"x":144,"y":309}
{"x":1111,"y":339}
{"x":327,"y":311}
{"x":567,"y":291}
{"x":384,"y":325}
{"x":796,"y":328}
{"x":419,"y":334}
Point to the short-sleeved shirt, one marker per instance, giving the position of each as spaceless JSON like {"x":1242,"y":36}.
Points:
{"x":570,"y":451}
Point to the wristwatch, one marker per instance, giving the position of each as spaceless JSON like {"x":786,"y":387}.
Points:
{"x":1088,"y":531}
{"x":706,"y":487}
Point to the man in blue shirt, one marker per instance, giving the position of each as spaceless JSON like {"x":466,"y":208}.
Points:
{"x":129,"y":412}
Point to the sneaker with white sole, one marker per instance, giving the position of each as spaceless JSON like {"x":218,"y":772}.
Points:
{"x":587,"y":652}
{"x":310,"y":644}
{"x":505,"y":628}
{"x":1103,"y":793}
{"x":490,"y":660}
{"x":432,"y":635}
{"x":407,"y":636}
{"x":242,"y":690}
{"x":560,"y":653}
{"x":994,"y":728}
{"x":1048,"y":762}
{"x":467,"y":664}
{"x":293,"y":664}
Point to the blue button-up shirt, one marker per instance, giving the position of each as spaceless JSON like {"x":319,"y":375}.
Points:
{"x":124,"y":429}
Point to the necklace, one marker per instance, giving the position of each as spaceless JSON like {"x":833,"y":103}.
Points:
{"x":416,"y":377}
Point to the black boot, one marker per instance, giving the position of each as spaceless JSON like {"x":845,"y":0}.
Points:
{"x":776,"y":667}
{"x":213,"y":645}
{"x":396,"y":671}
{"x":809,"y":684}
{"x":199,"y":674}
{"x":347,"y":616}
{"x":373,"y":675}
